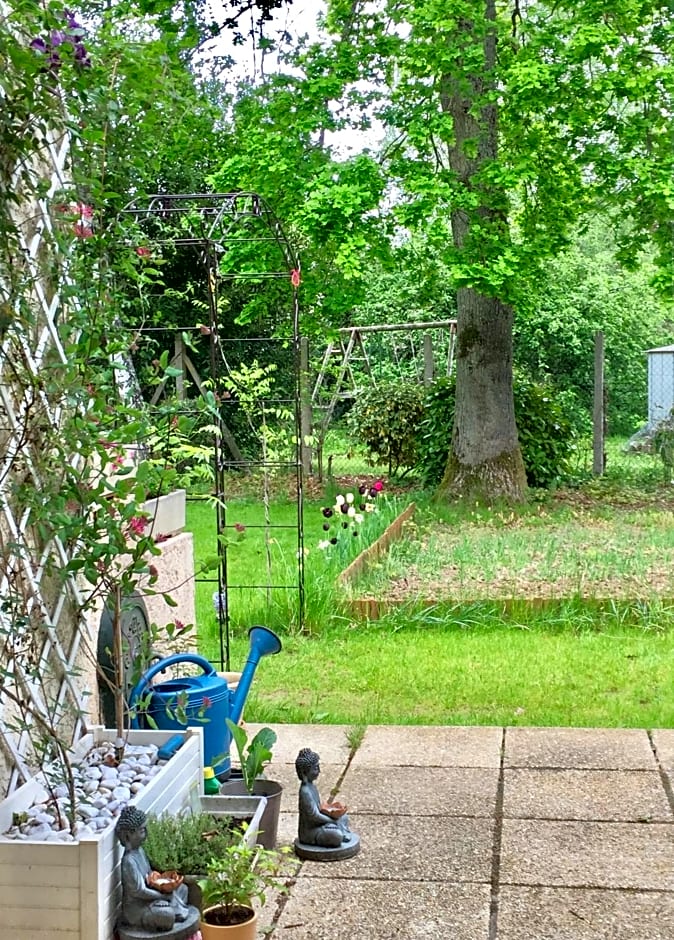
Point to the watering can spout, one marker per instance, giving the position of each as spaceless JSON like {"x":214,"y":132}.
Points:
{"x":263,"y":642}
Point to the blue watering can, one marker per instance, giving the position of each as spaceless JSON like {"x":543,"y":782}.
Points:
{"x":209,"y":700}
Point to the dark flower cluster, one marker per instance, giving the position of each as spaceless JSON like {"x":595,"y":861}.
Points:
{"x":347,"y":513}
{"x":70,"y":35}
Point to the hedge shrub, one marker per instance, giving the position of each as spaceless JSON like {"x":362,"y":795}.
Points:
{"x":385,"y":418}
{"x":546,"y":436}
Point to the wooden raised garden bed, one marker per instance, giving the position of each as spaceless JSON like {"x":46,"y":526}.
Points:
{"x":368,"y":608}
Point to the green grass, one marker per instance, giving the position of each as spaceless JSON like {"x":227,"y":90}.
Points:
{"x":267,"y":556}
{"x":493,"y":672}
{"x":568,"y":662}
{"x":552,"y":551}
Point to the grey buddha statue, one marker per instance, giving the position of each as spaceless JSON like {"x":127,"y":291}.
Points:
{"x":145,"y":910}
{"x":323,"y":832}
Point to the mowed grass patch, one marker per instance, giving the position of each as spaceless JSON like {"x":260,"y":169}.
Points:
{"x":443,"y":674}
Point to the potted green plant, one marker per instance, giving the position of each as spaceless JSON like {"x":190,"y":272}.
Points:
{"x":185,"y":842}
{"x":233,"y":880}
{"x":253,"y":758}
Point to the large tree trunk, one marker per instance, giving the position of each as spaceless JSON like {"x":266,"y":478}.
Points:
{"x":485,"y":460}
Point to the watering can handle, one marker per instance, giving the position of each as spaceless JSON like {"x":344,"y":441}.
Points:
{"x":138,"y":690}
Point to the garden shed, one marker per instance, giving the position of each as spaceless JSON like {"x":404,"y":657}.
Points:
{"x":660,"y":383}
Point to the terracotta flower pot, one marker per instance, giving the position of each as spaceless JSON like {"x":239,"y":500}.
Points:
{"x":246,"y":930}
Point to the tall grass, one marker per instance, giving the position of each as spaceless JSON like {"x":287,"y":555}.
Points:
{"x":262,"y":565}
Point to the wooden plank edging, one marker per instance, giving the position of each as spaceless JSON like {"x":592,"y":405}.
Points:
{"x":378,"y":547}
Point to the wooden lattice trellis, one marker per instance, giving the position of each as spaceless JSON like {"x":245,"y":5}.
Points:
{"x":42,"y":630}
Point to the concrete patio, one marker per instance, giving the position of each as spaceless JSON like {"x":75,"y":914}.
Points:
{"x":485,"y":833}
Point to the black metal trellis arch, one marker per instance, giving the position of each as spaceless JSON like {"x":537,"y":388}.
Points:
{"x":212,"y":224}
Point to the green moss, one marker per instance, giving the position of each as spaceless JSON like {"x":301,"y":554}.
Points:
{"x":466,"y":339}
{"x":501,"y":478}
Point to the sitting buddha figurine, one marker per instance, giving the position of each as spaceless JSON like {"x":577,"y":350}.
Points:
{"x":323,"y":832}
{"x":145,"y":909}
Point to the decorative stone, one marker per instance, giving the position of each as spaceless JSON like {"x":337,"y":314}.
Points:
{"x":102,"y":790}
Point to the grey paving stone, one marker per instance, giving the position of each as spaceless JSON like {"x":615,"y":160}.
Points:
{"x":400,"y":848}
{"x":584,"y":914}
{"x":628,"y":795}
{"x":329,"y":741}
{"x":664,"y":746}
{"x":421,"y":791}
{"x":579,"y":748}
{"x":428,"y":746}
{"x":287,"y":829}
{"x":588,"y":854}
{"x":376,"y":910}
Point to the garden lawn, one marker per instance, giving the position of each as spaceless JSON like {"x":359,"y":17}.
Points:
{"x":439,"y":673}
{"x":563,"y":617}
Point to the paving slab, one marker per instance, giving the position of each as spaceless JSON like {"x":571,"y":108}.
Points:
{"x":421,"y":791}
{"x":329,"y":741}
{"x":588,"y":854}
{"x":579,"y":748}
{"x":627,"y":795}
{"x":584,"y":914}
{"x":416,"y":746}
{"x":376,"y":910}
{"x":663,"y":740}
{"x":287,"y":828}
{"x":427,"y":848}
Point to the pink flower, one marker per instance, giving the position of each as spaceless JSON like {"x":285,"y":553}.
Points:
{"x":295,"y":277}
{"x":83,"y":229}
{"x":179,"y":625}
{"x":137,"y":525}
{"x":143,"y":252}
{"x":240,"y":527}
{"x":206,"y":702}
{"x":378,"y":486}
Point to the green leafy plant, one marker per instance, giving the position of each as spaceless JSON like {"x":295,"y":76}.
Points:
{"x":185,"y":843}
{"x":385,"y":419}
{"x":663,"y":445}
{"x":434,"y":431}
{"x":256,"y":756}
{"x":234,"y":878}
{"x":546,"y":436}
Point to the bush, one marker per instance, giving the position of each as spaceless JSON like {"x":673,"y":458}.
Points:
{"x":435,"y":430}
{"x":385,"y":419}
{"x":546,"y":436}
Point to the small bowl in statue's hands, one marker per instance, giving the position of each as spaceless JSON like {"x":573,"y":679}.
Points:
{"x":164,"y":881}
{"x":333,"y":810}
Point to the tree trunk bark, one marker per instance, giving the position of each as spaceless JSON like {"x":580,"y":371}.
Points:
{"x":485,"y":461}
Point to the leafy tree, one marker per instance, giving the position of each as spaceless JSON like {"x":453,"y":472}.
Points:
{"x":508,"y":123}
{"x":582,"y":290}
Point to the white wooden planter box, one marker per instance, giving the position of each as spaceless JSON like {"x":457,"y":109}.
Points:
{"x":167,"y":512}
{"x":72,"y":890}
